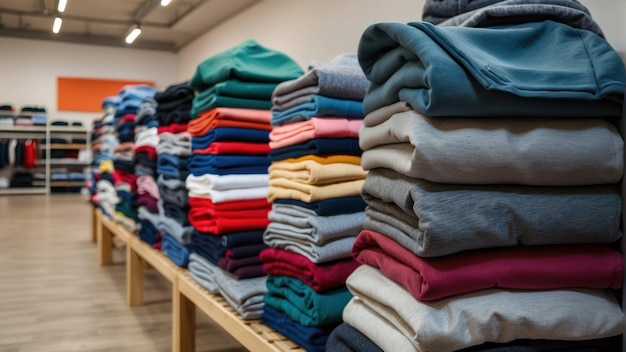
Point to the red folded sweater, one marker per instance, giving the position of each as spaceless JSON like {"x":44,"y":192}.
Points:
{"x":320,"y":277}
{"x":528,"y":268}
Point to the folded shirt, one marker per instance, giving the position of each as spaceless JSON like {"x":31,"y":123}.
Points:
{"x":313,"y":173}
{"x":569,"y":12}
{"x":318,"y":106}
{"x":178,"y":114}
{"x":229,"y":195}
{"x":433,"y":219}
{"x":331,"y":206}
{"x":174,"y":93}
{"x":220,"y":208}
{"x":467,"y":72}
{"x":320,"y":277}
{"x":607,"y":344}
{"x":178,"y":144}
{"x":524,"y":268}
{"x":149,"y":233}
{"x":172,"y":166}
{"x":248,"y":61}
{"x":345,"y":338}
{"x":198,"y":214}
{"x":147,"y":185}
{"x":222,"y":226}
{"x":301,"y":224}
{"x":229,"y":117}
{"x":341,"y":78}
{"x":230,"y":134}
{"x":208,"y":182}
{"x":171,"y":227}
{"x":203,"y":272}
{"x":318,"y":146}
{"x":204,"y":102}
{"x":406,"y":324}
{"x":299,"y":132}
{"x":232,"y":265}
{"x":200,"y":164}
{"x":213,"y":247}
{"x":148,"y":137}
{"x":340,"y":248}
{"x":311,"y":338}
{"x":496,"y":151}
{"x":290,"y":189}
{"x":175,"y":251}
{"x":304,"y":305}
{"x":173,"y":128}
{"x":245,"y":296}
{"x":225,"y":148}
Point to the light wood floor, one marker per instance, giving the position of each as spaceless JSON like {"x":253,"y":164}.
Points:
{"x":54,"y":297}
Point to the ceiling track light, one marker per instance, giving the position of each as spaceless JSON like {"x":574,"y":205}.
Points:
{"x":56,"y":27}
{"x":165,"y":2}
{"x":134,"y":32}
{"x":62,"y":4}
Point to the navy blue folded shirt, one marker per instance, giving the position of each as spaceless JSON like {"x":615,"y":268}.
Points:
{"x":318,"y":146}
{"x":230,"y":134}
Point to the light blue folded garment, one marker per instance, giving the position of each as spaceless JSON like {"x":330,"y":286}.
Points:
{"x":319,"y":106}
{"x":177,"y":252}
{"x":535,"y":69}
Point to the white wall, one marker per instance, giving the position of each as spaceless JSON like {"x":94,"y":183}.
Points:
{"x":304,"y":30}
{"x":29,"y":69}
{"x":319,"y":30}
{"x":610,"y":15}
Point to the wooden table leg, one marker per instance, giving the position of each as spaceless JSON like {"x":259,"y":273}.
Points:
{"x":105,"y":245}
{"x":183,"y":321}
{"x":134,"y":277}
{"x":94,"y":224}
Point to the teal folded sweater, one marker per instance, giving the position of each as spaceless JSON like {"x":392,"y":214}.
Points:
{"x":249,"y":62}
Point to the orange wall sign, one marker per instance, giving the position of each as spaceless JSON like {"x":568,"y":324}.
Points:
{"x":87,"y":94}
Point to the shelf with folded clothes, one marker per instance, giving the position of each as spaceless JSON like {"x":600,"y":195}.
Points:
{"x":68,"y":155}
{"x":21,"y":169}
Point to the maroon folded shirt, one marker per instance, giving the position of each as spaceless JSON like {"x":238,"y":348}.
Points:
{"x":320,"y":277}
{"x":528,"y":268}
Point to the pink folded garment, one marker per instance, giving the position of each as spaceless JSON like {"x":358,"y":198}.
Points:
{"x":299,"y":132}
{"x":526,"y":268}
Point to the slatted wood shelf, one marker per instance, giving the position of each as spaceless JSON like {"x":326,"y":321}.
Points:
{"x":187,"y":294}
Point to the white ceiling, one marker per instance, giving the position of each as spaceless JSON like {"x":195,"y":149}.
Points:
{"x":107,"y":22}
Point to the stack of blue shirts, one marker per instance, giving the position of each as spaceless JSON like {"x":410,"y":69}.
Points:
{"x":172,"y":150}
{"x":465,"y":116}
{"x":129,"y":98}
{"x":146,"y":140}
{"x":127,"y":104}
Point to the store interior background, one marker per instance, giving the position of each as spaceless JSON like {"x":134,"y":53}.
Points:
{"x":305,"y":30}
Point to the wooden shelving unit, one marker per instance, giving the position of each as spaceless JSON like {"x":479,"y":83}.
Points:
{"x":41,"y":134}
{"x":69,"y":164}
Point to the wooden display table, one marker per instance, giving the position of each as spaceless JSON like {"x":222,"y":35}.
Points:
{"x":187,"y":294}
